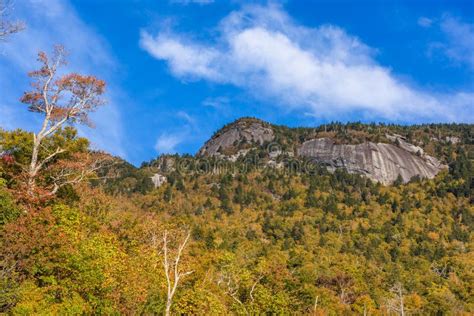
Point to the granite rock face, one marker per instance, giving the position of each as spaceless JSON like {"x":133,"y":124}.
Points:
{"x":378,"y":161}
{"x":254,"y":132}
{"x":158,"y":180}
{"x":381,"y":162}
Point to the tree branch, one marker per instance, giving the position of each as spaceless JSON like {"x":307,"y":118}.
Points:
{"x":48,"y":158}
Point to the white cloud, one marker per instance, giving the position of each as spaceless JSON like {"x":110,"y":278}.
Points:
{"x":184,"y":60}
{"x":217,"y":103}
{"x":186,"y":117}
{"x":322,"y":70}
{"x":51,"y":22}
{"x":167,"y":142}
{"x":425,"y":22}
{"x":460,"y":36}
{"x":186,"y":132}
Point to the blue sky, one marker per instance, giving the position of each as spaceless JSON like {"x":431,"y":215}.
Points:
{"x":178,"y":70}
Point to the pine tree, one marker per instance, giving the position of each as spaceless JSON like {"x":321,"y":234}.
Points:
{"x":168,"y":194}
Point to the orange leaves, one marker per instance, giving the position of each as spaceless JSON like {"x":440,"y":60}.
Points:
{"x":79,"y":84}
{"x":48,"y":67}
{"x":35,"y":101}
{"x":80,"y":166}
{"x":79,"y":161}
{"x":63,"y":100}
{"x":7,"y":159}
{"x":69,"y":98}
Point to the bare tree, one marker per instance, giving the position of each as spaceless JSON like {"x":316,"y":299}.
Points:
{"x":396,"y":303}
{"x":75,"y":170}
{"x":8,"y":27}
{"x":440,"y":270}
{"x":231,"y":285}
{"x":64,"y":100}
{"x":172,"y":268}
{"x":252,"y":289}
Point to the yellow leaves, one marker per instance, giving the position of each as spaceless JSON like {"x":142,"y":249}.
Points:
{"x":34,"y":300}
{"x":328,"y":303}
{"x":364,"y":305}
{"x":323,"y":260}
{"x":433,"y":236}
{"x":199,"y":301}
{"x":414,"y":303}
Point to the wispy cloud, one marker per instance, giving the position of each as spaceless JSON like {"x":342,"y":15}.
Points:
{"x":167,"y":142}
{"x":323,"y":70}
{"x":425,"y":22}
{"x":184,"y":59}
{"x":186,"y":117}
{"x":52,"y":22}
{"x":217,"y":103}
{"x":460,"y":40}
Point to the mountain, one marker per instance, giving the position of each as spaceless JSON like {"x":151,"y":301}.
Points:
{"x":375,"y":151}
{"x":242,"y":131}
{"x":258,"y":239}
{"x":378,"y":161}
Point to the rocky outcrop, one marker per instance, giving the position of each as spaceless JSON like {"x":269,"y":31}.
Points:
{"x":250,"y":131}
{"x":378,"y":161}
{"x":381,"y":162}
{"x":158,"y":180}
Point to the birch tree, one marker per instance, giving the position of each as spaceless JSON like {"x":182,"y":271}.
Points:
{"x":171,"y":265}
{"x":62,"y":100}
{"x":396,"y":303}
{"x":230,"y":282}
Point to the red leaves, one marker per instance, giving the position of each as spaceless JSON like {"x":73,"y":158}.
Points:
{"x":35,"y":101}
{"x":68,"y":98}
{"x":33,"y":240}
{"x":7,"y":159}
{"x":81,"y":85}
{"x":81,"y":166}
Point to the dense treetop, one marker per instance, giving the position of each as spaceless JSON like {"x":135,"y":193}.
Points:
{"x":263,"y":240}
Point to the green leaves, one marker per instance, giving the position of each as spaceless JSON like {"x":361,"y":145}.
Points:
{"x":9,"y":211}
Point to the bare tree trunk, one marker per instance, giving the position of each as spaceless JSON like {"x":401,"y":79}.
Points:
{"x":171,"y":267}
{"x":69,"y":98}
{"x":396,"y":304}
{"x":315,"y":307}
{"x":402,"y":307}
{"x":168,"y":307}
{"x":32,"y":172}
{"x":37,"y":138}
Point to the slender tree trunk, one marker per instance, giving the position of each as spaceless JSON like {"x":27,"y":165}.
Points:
{"x":315,"y":308}
{"x":171,"y":267}
{"x":402,"y":307}
{"x":33,"y":170}
{"x":168,"y":307}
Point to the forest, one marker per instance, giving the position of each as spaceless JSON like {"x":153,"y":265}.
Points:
{"x":260,"y":241}
{"x":85,"y":233}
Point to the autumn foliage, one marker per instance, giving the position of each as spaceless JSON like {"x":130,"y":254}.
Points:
{"x":69,"y":98}
{"x":66,"y":99}
{"x":82,"y":232}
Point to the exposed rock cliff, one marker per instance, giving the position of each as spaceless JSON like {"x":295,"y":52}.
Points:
{"x":252,"y":131}
{"x":382,"y":162}
{"x":378,"y":161}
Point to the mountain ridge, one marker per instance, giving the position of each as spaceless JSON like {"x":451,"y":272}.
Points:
{"x":374,"y":151}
